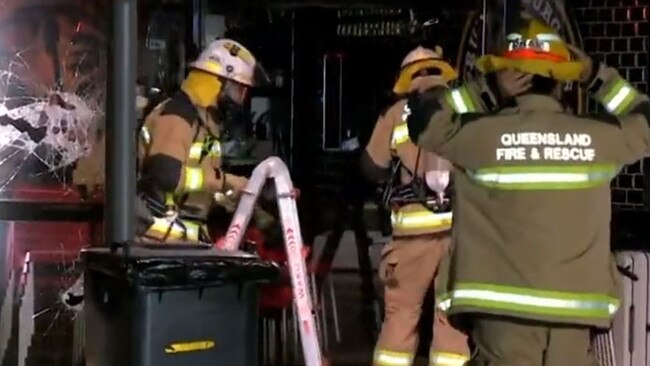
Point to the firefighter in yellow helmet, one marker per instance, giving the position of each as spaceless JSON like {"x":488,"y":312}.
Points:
{"x":531,"y":265}
{"x":421,"y":221}
{"x":179,"y":147}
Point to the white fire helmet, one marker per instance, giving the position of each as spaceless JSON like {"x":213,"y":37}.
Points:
{"x":421,"y":54}
{"x":230,"y":60}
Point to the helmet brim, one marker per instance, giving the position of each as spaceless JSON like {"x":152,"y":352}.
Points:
{"x":560,"y":71}
{"x":259,"y":77}
{"x":403,"y":83}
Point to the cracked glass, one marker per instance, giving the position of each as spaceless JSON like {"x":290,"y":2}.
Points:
{"x":53,"y":56}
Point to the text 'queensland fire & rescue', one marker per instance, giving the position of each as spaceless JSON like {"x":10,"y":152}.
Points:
{"x":545,"y":146}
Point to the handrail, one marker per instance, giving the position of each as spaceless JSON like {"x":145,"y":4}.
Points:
{"x":274,"y":168}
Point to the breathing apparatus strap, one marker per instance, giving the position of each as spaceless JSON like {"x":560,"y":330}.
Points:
{"x":415,"y":191}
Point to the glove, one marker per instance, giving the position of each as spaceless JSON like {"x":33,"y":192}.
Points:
{"x":512,"y":83}
{"x":588,"y":70}
{"x":420,"y":107}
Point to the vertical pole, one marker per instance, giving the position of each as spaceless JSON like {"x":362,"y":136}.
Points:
{"x":484,"y":19}
{"x":120,"y":146}
{"x":511,"y":13}
{"x":292,"y":122}
{"x":198,"y":19}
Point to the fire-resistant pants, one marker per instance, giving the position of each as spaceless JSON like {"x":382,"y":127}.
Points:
{"x":408,"y":268}
{"x":502,"y":341}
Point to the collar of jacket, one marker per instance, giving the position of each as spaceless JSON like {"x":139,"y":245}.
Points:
{"x":538,"y":102}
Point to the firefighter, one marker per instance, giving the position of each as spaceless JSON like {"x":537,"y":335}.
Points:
{"x":179,"y":147}
{"x":531,"y":263}
{"x":421,"y":220}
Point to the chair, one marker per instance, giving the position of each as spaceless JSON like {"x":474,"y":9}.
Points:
{"x":280,"y":340}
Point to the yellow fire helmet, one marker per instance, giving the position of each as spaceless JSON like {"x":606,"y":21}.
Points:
{"x":535,"y":49}
{"x":418,"y":60}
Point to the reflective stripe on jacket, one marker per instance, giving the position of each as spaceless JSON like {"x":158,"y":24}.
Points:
{"x":530,"y":302}
{"x":530,"y":177}
{"x":532,"y":186}
{"x":199,"y":151}
{"x":413,"y":219}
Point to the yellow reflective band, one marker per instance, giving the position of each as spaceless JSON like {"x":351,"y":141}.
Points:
{"x":161,"y":226}
{"x":193,"y":179}
{"x":447,"y":359}
{"x":424,"y":219}
{"x":619,"y":97}
{"x":400,"y":135}
{"x":169,"y":199}
{"x":146,"y":136}
{"x":196,"y":151}
{"x":519,"y":300}
{"x":390,"y":358}
{"x":460,"y":100}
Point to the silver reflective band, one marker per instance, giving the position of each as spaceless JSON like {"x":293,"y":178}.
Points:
{"x":444,"y":305}
{"x":531,"y":300}
{"x":145,"y":135}
{"x":506,"y":178}
{"x":196,"y":150}
{"x":215,"y":150}
{"x":458,"y":100}
{"x":616,"y":101}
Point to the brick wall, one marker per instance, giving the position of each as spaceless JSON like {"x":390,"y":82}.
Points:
{"x":619,"y":32}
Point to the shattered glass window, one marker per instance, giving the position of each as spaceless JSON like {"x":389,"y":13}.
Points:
{"x":52,"y":118}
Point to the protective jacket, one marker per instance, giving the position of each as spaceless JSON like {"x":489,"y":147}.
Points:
{"x":390,"y":140}
{"x":532,"y":213}
{"x":180,"y":157}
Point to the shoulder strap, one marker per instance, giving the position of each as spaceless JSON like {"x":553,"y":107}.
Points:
{"x":181,"y":105}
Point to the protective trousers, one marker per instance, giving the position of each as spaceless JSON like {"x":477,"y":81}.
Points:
{"x":408,"y":268}
{"x":502,"y":341}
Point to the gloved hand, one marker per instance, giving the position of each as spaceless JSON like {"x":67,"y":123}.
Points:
{"x":512,"y":83}
{"x":235,"y":183}
{"x":587,"y":62}
{"x":419,"y":109}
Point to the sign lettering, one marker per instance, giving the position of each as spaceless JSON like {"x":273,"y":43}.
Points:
{"x":548,"y":146}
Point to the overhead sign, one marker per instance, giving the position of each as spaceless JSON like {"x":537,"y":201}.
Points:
{"x":373,"y":22}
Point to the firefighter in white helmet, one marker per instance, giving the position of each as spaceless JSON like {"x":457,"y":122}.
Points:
{"x":179,"y":146}
{"x":416,"y":183}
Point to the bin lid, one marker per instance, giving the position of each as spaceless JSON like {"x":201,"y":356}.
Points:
{"x":170,"y":250}
{"x":179,"y":266}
